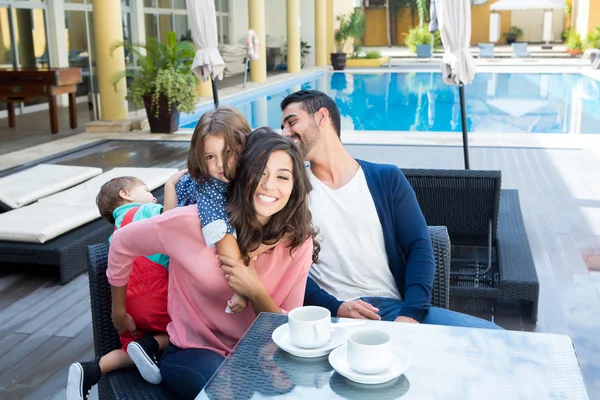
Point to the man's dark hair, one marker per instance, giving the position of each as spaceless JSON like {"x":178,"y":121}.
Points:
{"x":313,"y":100}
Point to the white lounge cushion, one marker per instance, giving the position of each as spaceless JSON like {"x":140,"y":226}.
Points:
{"x":54,"y":215}
{"x":40,"y":222}
{"x":29,"y":185}
{"x":86,"y":193}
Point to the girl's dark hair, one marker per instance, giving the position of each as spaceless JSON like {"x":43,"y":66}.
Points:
{"x":294,"y":220}
{"x":226,"y":122}
{"x":109,"y":197}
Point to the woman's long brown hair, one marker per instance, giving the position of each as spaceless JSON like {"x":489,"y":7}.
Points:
{"x":294,"y":220}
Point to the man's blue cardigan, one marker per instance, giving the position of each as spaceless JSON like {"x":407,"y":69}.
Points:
{"x":407,"y":242}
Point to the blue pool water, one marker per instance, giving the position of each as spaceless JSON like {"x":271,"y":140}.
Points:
{"x":496,"y":102}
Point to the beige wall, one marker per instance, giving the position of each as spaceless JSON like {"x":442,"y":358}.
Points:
{"x":376,"y":33}
{"x":480,"y":23}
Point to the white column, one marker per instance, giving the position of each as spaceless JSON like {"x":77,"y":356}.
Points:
{"x":547,"y":36}
{"x":495,"y":20}
{"x":138,"y":28}
{"x":57,"y":41}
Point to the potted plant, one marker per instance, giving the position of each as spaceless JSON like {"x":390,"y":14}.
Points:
{"x":304,"y":51}
{"x":352,"y":26}
{"x":163,"y":81}
{"x":419,"y":40}
{"x":574,"y":44}
{"x":513,"y":34}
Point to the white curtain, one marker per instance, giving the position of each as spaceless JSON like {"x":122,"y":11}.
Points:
{"x":203,"y":20}
{"x":454,"y":20}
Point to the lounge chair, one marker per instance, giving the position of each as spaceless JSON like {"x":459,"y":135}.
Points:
{"x":594,"y":56}
{"x":129,"y":384}
{"x":29,"y":185}
{"x":486,"y":50}
{"x":520,"y":50}
{"x":54,"y":231}
{"x":480,"y":216}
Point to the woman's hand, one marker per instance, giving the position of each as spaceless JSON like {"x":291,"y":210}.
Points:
{"x":242,"y":279}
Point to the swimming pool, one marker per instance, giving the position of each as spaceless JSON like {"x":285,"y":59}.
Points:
{"x":398,"y":101}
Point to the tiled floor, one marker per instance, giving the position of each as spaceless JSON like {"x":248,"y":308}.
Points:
{"x":560,"y":198}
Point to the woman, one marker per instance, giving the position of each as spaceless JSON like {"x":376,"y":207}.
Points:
{"x":268,"y":204}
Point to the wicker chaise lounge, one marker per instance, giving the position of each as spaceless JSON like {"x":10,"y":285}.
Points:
{"x":128,"y":384}
{"x":491,"y":257}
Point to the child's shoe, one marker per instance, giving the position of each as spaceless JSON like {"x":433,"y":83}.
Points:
{"x":82,"y":376}
{"x":143,"y":353}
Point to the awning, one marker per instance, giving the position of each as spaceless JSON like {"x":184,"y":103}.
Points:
{"x":507,"y":5}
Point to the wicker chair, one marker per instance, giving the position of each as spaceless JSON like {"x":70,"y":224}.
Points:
{"x":124,"y":384}
{"x":128,"y":384}
{"x":478,"y":214}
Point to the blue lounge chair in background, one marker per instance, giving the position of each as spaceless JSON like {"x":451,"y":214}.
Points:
{"x":486,"y":50}
{"x":520,"y":50}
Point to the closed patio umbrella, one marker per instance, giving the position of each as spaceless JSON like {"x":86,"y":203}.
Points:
{"x":208,"y":63}
{"x":458,"y":68}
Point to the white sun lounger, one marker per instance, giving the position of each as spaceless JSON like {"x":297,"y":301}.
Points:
{"x":54,"y":215}
{"x":25,"y":187}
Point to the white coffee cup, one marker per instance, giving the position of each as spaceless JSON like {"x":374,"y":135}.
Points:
{"x":310,"y":326}
{"x":369,"y":350}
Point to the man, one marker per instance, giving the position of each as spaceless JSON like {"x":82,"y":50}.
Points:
{"x":376,"y":259}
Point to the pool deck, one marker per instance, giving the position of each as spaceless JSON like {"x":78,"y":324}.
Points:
{"x":560,"y":200}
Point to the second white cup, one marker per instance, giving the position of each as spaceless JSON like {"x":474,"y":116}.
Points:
{"x":309,"y":326}
{"x":369,"y":350}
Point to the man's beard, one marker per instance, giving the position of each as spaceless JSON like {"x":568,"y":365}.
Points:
{"x":308,"y":140}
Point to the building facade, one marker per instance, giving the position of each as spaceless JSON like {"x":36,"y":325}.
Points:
{"x":63,"y":33}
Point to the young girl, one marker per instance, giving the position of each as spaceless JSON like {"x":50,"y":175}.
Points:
{"x":121,"y":201}
{"x":218,"y":141}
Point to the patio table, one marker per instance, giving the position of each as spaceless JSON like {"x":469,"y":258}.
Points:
{"x":446,"y":363}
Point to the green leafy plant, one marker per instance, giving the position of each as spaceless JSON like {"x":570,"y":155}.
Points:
{"x":304,"y":51}
{"x":370,"y":55}
{"x":513,"y":33}
{"x":592,"y":41}
{"x":420,"y":35}
{"x":162,"y":69}
{"x":574,"y":41}
{"x":352,"y":26}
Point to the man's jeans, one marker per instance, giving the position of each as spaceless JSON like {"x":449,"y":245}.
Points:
{"x":389,"y":310}
{"x":186,"y":371}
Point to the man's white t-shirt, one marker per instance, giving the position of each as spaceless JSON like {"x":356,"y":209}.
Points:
{"x":352,"y":262}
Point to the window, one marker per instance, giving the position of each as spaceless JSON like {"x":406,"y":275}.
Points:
{"x":162,"y":16}
{"x":222,"y":11}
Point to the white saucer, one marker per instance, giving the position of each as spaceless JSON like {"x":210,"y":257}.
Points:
{"x":281,"y":337}
{"x":339,"y":361}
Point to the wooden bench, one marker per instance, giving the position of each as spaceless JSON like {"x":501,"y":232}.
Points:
{"x":20,"y":85}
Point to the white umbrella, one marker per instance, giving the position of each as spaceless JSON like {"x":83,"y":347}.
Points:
{"x":208,"y":62}
{"x":458,"y":68}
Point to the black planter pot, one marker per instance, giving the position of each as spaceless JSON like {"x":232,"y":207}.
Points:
{"x":510,"y":41}
{"x":165,"y":121}
{"x":338,"y":61}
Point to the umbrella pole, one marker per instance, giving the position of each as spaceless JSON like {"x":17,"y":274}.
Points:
{"x":215,"y":93}
{"x":463,"y":114}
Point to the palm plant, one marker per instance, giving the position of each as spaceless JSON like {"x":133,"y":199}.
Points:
{"x":163,"y":71}
{"x":351,"y":26}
